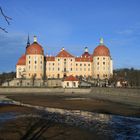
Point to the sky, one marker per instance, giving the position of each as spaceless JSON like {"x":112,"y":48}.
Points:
{"x":72,"y":24}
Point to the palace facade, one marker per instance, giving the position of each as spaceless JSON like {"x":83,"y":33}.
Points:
{"x":34,"y":64}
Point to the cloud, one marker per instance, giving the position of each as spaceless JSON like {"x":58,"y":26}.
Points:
{"x":132,"y":30}
{"x":126,"y":32}
{"x":12,"y":45}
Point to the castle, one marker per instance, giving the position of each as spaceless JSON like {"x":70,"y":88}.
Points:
{"x":34,"y":63}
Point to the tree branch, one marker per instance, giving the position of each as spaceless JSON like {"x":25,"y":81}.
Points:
{"x":7,"y":19}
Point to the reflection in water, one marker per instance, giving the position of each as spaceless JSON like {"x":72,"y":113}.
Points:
{"x":119,"y":127}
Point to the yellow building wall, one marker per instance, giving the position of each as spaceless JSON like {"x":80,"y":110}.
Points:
{"x":102,"y":67}
{"x":34,"y":66}
{"x":67,"y":66}
{"x":20,"y":71}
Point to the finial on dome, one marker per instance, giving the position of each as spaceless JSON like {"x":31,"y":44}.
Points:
{"x":35,"y":39}
{"x":101,"y":40}
{"x":86,"y":49}
{"x":63,"y":48}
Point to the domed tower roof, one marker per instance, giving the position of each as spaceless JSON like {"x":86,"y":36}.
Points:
{"x":101,"y":49}
{"x":34,"y":48}
{"x":22,"y":60}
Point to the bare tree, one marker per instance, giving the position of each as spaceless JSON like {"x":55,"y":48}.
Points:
{"x":6,"y":18}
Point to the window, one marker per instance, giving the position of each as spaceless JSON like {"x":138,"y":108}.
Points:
{"x":98,"y":58}
{"x":67,"y":84}
{"x":29,"y":62}
{"x":35,"y":61}
{"x":76,"y":64}
{"x":74,"y":84}
{"x":71,"y":59}
{"x":40,"y":62}
{"x":71,"y":69}
{"x":84,"y":64}
{"x":88,"y":64}
{"x":64,"y":59}
{"x":97,"y":63}
{"x":58,"y":59}
{"x":80,"y":64}
{"x":103,"y":63}
{"x":58,"y":69}
{"x":103,"y":58}
{"x":53,"y":64}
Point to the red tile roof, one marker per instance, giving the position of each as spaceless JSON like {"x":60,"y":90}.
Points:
{"x":50,"y":58}
{"x":64,"y":53}
{"x":86,"y":54}
{"x":71,"y":78}
{"x":101,"y":50}
{"x":22,"y":60}
{"x":84,"y":59}
{"x":35,"y":48}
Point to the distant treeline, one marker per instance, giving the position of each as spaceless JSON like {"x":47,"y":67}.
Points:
{"x":7,"y":77}
{"x":131,"y":75}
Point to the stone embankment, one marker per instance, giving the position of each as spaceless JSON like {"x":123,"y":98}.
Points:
{"x":125,"y":96}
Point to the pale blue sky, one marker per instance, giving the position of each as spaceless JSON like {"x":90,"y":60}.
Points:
{"x":72,"y":24}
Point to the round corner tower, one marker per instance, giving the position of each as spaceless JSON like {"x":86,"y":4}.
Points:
{"x":34,"y":60}
{"x":102,"y":62}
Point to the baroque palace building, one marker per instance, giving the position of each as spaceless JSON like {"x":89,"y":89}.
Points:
{"x":34,"y":64}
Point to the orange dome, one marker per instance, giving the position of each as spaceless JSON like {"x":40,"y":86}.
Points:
{"x":22,"y":60}
{"x":34,"y":48}
{"x":101,"y":50}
